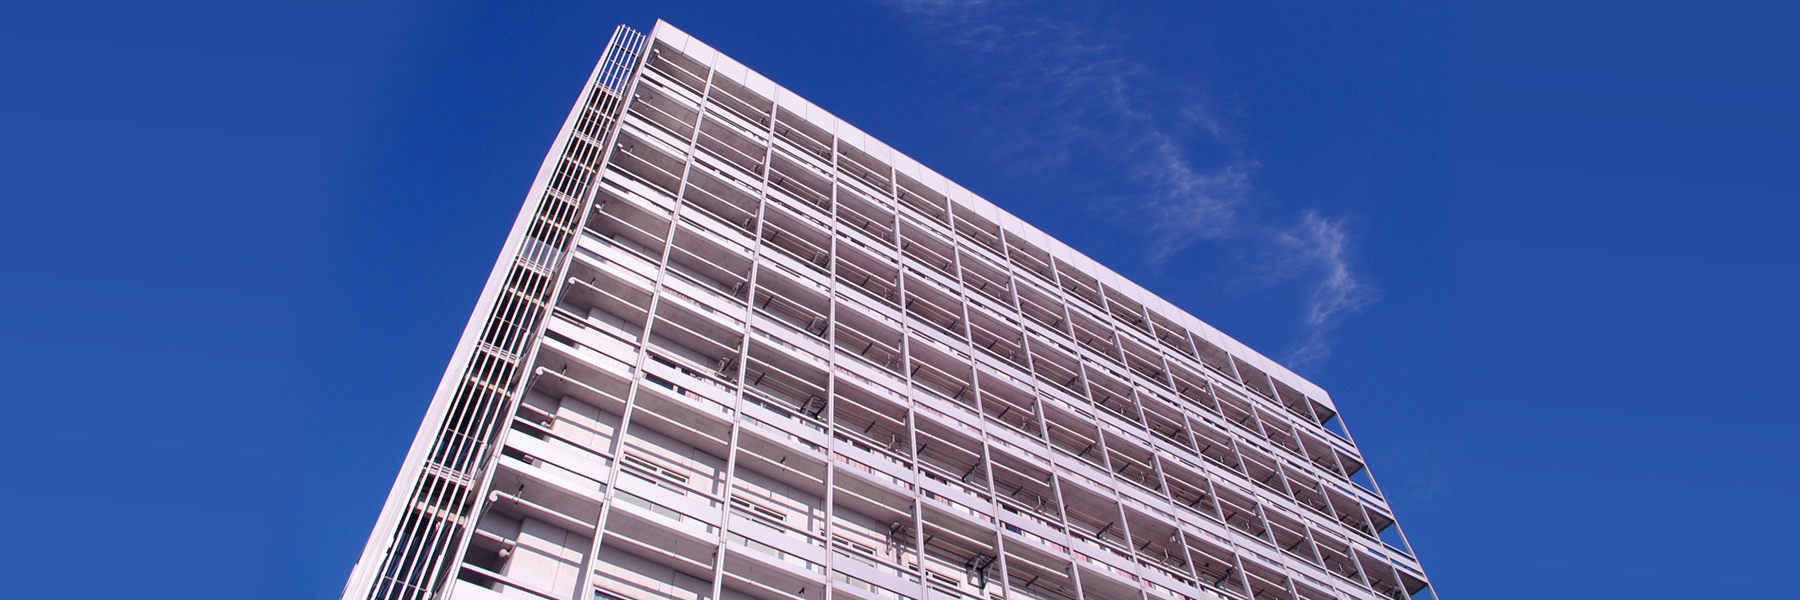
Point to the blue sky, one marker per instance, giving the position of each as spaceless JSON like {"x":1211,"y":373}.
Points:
{"x":1539,"y":254}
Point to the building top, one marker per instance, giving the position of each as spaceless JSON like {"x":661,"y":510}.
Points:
{"x":932,"y":183}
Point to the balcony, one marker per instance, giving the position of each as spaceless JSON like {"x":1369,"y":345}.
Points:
{"x":1055,"y":365}
{"x":870,"y":337}
{"x":671,"y":402}
{"x":657,"y":81}
{"x":886,"y":475}
{"x":661,"y":491}
{"x":1217,"y":446}
{"x":1215,"y":566}
{"x":767,"y":572}
{"x":1241,"y":513}
{"x":984,"y":233}
{"x":740,"y":101}
{"x":878,"y":280}
{"x":941,"y":370}
{"x":1322,"y":455}
{"x":872,"y":419}
{"x":1166,"y":423}
{"x":853,"y":372}
{"x":1145,"y":363}
{"x":1295,"y":402}
{"x":1336,"y":556}
{"x":1266,"y":582}
{"x":1172,"y":336}
{"x":1133,"y":463}
{"x":790,"y":521}
{"x":745,"y":150}
{"x":924,"y":201}
{"x":799,"y":302}
{"x":1105,"y":574}
{"x":1191,"y":490}
{"x":1004,"y":402}
{"x":1238,"y":411}
{"x":1215,"y":358}
{"x":813,"y":141}
{"x":929,"y":304}
{"x":1308,"y":492}
{"x":1030,"y":577}
{"x":986,"y":280}
{"x":1077,"y":437}
{"x":1291,"y":536}
{"x":1026,"y":489}
{"x":1383,"y":578}
{"x":958,"y":559}
{"x":1095,"y":337}
{"x":858,"y":213}
{"x":605,"y":370}
{"x":1255,"y":379}
{"x":649,"y":161}
{"x":1349,"y":512}
{"x":802,"y":181}
{"x":1154,"y":540}
{"x":702,"y":342}
{"x":1114,"y":396}
{"x":729,"y":203}
{"x":673,"y":114}
{"x":790,"y":375}
{"x":678,"y":67}
{"x":798,"y":463}
{"x":1079,"y":285}
{"x":930,"y":252}
{"x":1192,"y":388}
{"x":629,"y":221}
{"x":531,"y":496}
{"x":1028,"y":258}
{"x":531,"y":540}
{"x":1280,"y":432}
{"x":1263,"y":470}
{"x":628,"y":567}
{"x":801,"y":239}
{"x":608,"y":288}
{"x":1093,"y":516}
{"x":1126,"y":311}
{"x":1304,"y":591}
{"x":864,"y":168}
{"x":874,"y":545}
{"x":770,"y":421}
{"x":955,"y":476}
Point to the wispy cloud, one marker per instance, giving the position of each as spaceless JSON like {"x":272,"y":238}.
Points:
{"x":1187,"y":176}
{"x":1108,"y":113}
{"x":1318,"y":243}
{"x":1314,"y":250}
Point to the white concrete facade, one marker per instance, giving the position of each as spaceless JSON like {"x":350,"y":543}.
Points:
{"x":736,"y":348}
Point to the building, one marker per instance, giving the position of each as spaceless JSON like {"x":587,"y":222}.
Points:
{"x":736,"y":348}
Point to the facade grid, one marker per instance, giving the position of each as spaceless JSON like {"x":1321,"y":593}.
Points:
{"x":734,"y":348}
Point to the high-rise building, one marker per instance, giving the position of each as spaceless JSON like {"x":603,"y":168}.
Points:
{"x":736,"y":348}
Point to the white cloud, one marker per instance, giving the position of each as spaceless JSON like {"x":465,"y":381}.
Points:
{"x":1087,"y":77}
{"x":1188,"y":206}
{"x":1314,"y":349}
{"x":1188,"y":176}
{"x":1317,"y":244}
{"x":1315,"y":250}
